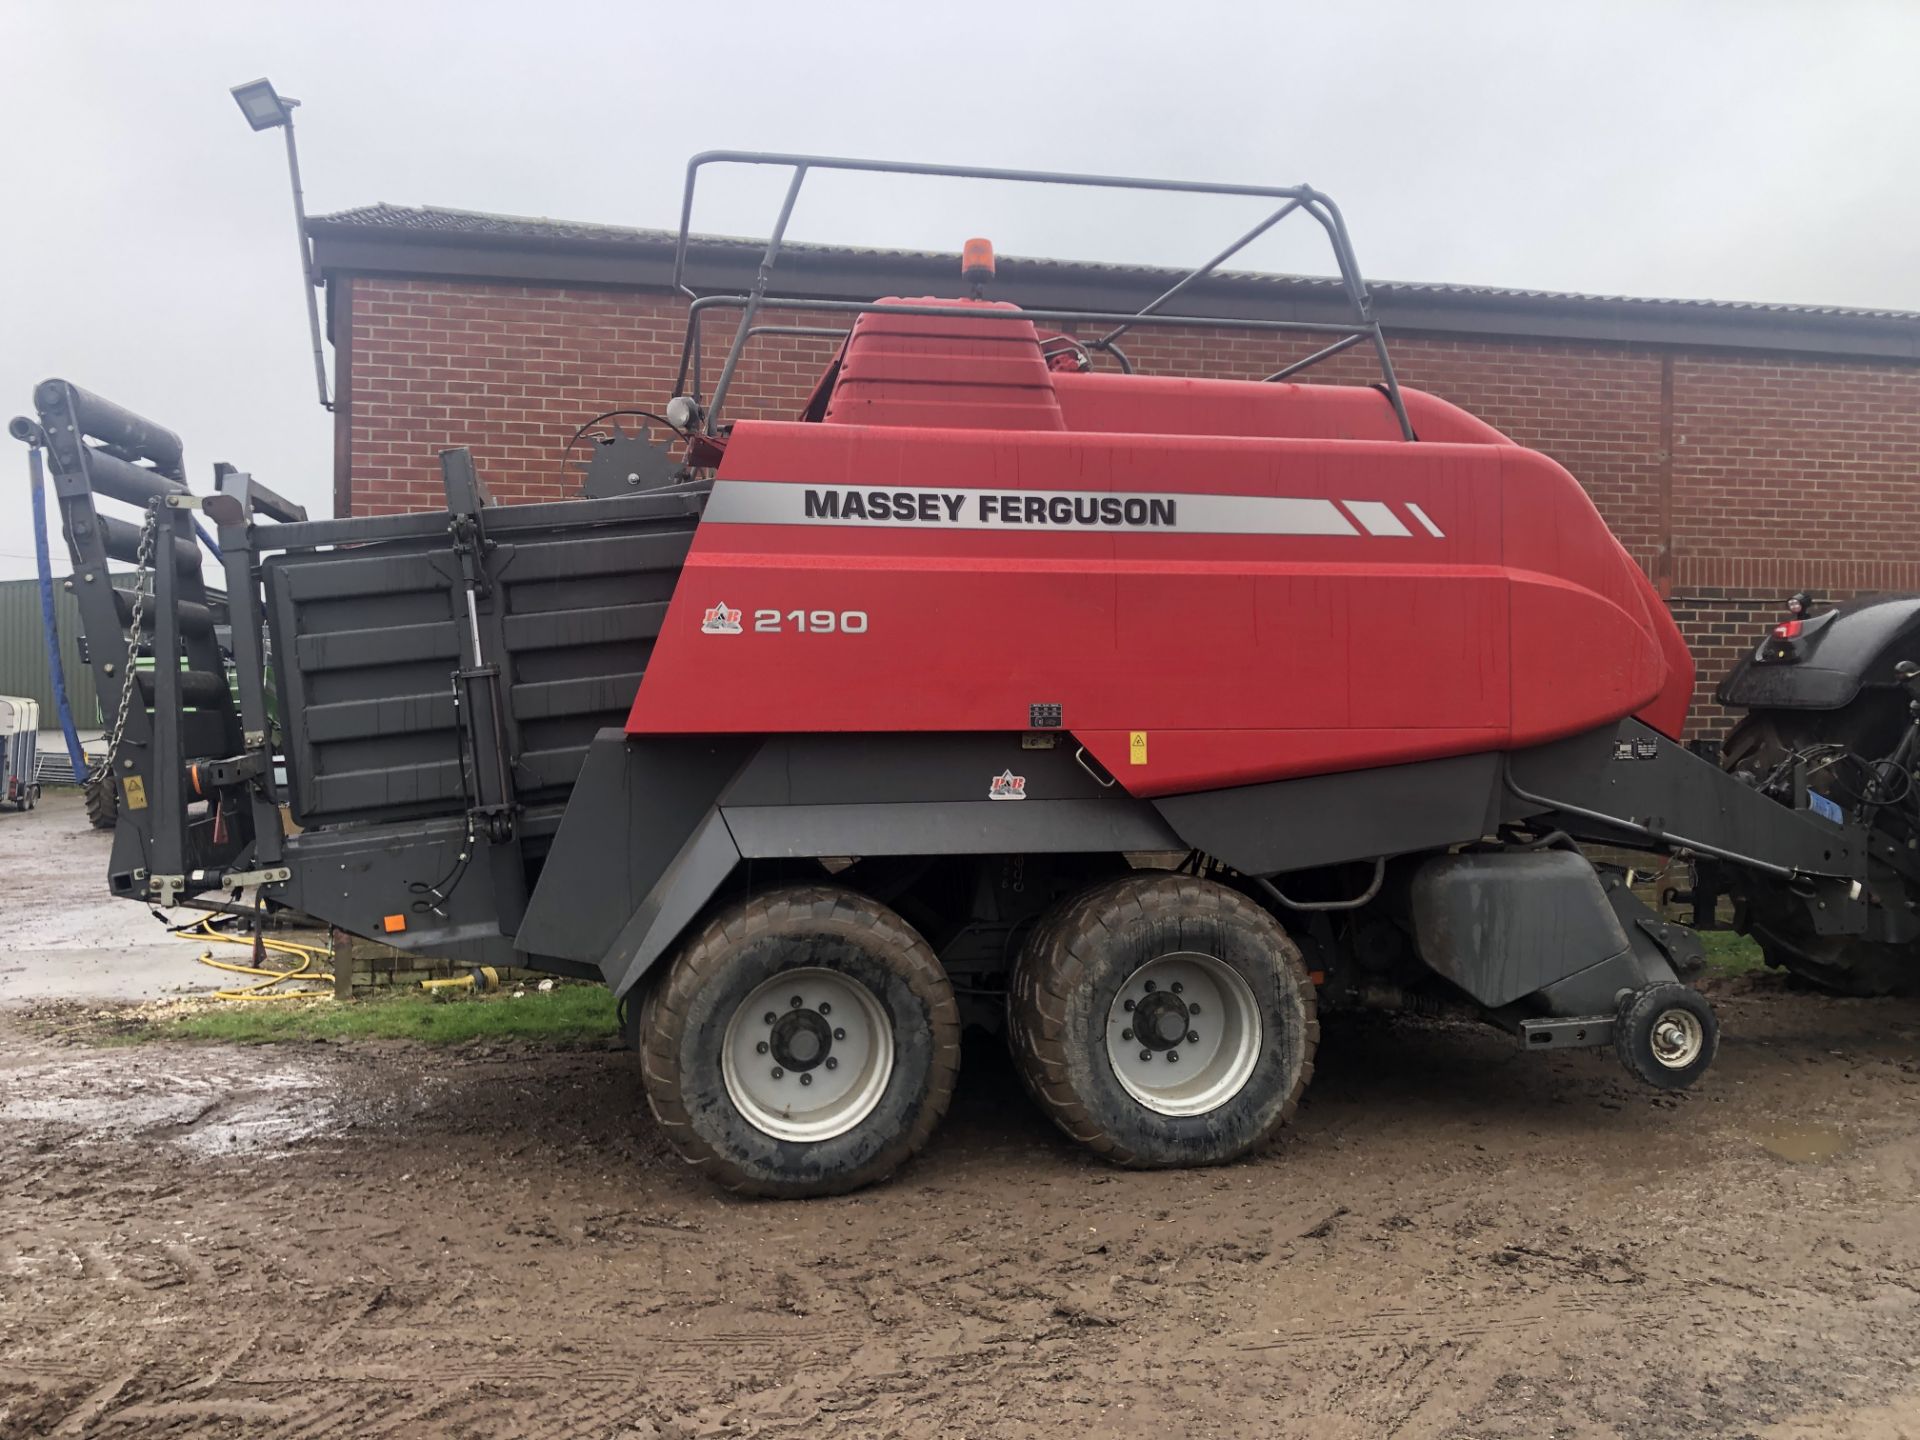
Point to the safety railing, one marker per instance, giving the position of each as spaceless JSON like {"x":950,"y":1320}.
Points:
{"x":1361,"y":328}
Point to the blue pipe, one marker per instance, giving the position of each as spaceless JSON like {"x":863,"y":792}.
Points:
{"x":55,"y":668}
{"x":207,"y":540}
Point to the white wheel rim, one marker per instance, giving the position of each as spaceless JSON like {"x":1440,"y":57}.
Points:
{"x":1211,"y":1057}
{"x":819,"y":1066}
{"x":1677,"y":1038}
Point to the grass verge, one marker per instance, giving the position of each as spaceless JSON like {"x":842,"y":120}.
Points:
{"x":1731,"y":954}
{"x":568,"y":1014}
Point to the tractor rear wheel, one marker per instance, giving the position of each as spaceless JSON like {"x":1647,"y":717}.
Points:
{"x":803,"y":1042}
{"x":103,"y":800}
{"x":1164,"y":1020}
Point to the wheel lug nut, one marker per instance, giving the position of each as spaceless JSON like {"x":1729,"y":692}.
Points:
{"x":806,"y":1079}
{"x":1146,"y":1054}
{"x":771,"y":1017}
{"x":839,"y":1033}
{"x":1126,"y":1034}
{"x":1172,"y":1056}
{"x":778,"y":1073}
{"x":1148,"y":987}
{"x":832,"y":1064}
{"x":761,"y":1047}
{"x":1175,"y":987}
{"x":795,"y":1002}
{"x":1193,"y":1009}
{"x":1129,"y":1005}
{"x":825,"y":1008}
{"x":1193,"y":1037}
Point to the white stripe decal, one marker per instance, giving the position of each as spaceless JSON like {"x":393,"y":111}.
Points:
{"x":1376,"y":517}
{"x":1421,"y":515}
{"x":766,"y":502}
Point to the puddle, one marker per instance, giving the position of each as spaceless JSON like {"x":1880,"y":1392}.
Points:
{"x":206,"y":1114}
{"x":1801,"y":1144}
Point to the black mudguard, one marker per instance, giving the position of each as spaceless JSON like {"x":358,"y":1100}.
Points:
{"x":1836,"y":655}
{"x":658,"y":825}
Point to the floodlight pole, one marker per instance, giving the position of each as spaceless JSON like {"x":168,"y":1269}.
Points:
{"x":309,"y":283}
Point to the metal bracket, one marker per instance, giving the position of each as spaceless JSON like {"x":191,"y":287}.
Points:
{"x":239,"y":879}
{"x":1566,"y":1033}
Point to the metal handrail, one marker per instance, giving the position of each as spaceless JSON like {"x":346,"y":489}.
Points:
{"x":1303,"y":198}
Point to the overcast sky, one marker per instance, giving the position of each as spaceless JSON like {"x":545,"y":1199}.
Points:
{"x":1744,"y":150}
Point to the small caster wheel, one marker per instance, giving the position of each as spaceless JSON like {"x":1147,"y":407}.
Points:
{"x":1666,"y":1035}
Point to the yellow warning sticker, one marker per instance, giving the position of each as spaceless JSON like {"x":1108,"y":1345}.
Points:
{"x":136,"y":789}
{"x":1137,"y":747}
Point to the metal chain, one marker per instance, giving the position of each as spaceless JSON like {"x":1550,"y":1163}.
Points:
{"x":142,"y":564}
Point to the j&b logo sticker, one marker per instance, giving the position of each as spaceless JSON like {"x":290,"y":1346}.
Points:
{"x":721,"y":619}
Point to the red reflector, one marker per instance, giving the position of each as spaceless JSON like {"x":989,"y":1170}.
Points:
{"x":1786,"y":630}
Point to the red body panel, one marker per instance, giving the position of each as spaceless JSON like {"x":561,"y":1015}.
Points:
{"x":1391,"y":602}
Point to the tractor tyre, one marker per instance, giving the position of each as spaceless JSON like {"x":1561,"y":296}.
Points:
{"x":1841,"y":964}
{"x":1164,"y":1020}
{"x":803,"y":1042}
{"x":1666,"y":1035}
{"x":103,"y":800}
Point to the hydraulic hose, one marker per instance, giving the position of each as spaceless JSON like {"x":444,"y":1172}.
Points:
{"x":309,"y":956}
{"x":54,"y":668}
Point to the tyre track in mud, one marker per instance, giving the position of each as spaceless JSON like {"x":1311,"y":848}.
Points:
{"x":388,"y":1241}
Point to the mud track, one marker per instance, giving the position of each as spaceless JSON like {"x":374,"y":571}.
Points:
{"x":1457,"y":1240}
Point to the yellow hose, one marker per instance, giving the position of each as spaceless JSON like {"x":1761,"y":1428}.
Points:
{"x":308,"y":955}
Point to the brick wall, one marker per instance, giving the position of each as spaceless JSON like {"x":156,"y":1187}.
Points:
{"x":1785,"y":473}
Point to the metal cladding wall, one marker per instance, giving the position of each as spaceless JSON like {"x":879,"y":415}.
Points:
{"x":23,"y":652}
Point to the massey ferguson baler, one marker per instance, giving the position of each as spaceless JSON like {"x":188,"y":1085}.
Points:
{"x":1140,"y":717}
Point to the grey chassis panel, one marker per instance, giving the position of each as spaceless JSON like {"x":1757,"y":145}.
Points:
{"x":1326,"y":819}
{"x":1640,"y":789}
{"x":633,"y":861}
{"x":1657,"y":796}
{"x":949,"y":827}
{"x":1503,"y":926}
{"x":1535,"y":933}
{"x":352,"y":877}
{"x":635,"y":807}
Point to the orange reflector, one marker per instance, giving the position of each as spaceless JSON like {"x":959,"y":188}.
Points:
{"x":393,"y":923}
{"x":1318,"y":977}
{"x":976,"y":259}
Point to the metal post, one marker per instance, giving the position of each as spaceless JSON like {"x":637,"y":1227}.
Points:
{"x":165,"y":759}
{"x":1326,"y":353}
{"x":760,"y":282}
{"x":1200,"y":272}
{"x":248,"y":623}
{"x":1328,"y":214}
{"x":306,"y":264}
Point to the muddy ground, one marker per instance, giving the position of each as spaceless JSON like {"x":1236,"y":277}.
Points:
{"x":1457,"y":1240}
{"x":61,"y":934}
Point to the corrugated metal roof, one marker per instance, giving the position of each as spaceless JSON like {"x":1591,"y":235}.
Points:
{"x":433,"y":221}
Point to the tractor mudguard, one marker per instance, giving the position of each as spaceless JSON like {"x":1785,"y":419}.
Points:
{"x":1834,"y":656}
{"x":657,"y":825}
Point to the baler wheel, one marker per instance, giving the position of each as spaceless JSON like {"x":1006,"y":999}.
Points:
{"x":1666,"y":1035}
{"x":804,"y":1042}
{"x":1164,"y":1020}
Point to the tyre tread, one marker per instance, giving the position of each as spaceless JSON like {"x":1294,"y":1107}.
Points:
{"x":663,"y":1019}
